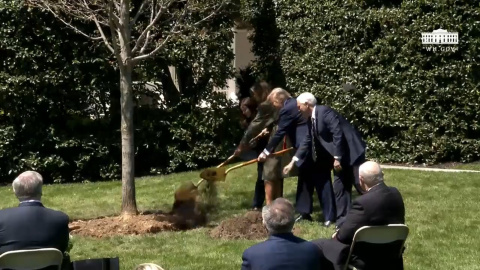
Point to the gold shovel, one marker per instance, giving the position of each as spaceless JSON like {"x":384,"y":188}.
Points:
{"x":219,"y":174}
{"x":218,"y":167}
{"x":189,"y":190}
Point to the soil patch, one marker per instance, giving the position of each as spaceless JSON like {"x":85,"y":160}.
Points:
{"x":248,"y":226}
{"x":188,"y":212}
{"x":118,"y":225}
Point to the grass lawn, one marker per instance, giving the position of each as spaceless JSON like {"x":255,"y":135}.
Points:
{"x":468,"y":166}
{"x":442,"y":213}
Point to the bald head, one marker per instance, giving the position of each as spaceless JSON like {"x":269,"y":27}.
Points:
{"x":279,"y":216}
{"x":370,"y":174}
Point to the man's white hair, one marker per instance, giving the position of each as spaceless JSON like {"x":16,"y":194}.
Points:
{"x":308,"y":98}
{"x":28,"y":186}
{"x":371,"y":172}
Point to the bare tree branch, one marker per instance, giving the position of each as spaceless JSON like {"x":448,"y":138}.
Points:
{"x":139,"y":58}
{"x":70,"y":25}
{"x":147,"y":40}
{"x":109,"y":13}
{"x":173,"y":32}
{"x":139,"y":12}
{"x":116,"y":48}
{"x":160,"y":46}
{"x":142,"y":36}
{"x":211,"y":14}
{"x":105,"y":40}
{"x":117,"y":6}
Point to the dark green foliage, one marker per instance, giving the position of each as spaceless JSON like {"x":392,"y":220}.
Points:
{"x":59,"y":102}
{"x":51,"y":81}
{"x":412,"y":105}
{"x":186,"y":137}
{"x":266,"y":42}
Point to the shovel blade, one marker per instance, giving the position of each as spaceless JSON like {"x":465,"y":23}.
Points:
{"x":213,"y":174}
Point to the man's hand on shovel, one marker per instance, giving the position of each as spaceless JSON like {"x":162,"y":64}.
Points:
{"x":262,"y":157}
{"x":260,"y":135}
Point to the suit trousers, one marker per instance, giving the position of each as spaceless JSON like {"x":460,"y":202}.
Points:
{"x":316,"y":176}
{"x":342,"y":186}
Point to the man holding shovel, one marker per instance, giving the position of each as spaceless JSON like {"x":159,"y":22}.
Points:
{"x":265,"y":121}
{"x":294,"y":126}
{"x":332,"y":139}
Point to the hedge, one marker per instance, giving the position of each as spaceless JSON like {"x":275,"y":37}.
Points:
{"x":55,"y":86}
{"x":412,"y":105}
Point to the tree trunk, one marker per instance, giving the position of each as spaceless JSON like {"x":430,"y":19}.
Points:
{"x":129,"y":203}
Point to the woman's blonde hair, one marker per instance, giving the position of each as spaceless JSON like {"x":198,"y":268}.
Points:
{"x":148,"y":266}
{"x":279,"y":94}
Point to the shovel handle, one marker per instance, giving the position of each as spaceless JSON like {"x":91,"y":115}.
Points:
{"x":226,"y":161}
{"x":255,"y":160}
{"x":241,"y":165}
{"x":282,"y":151}
{"x":198,"y":184}
{"x":263,"y":133}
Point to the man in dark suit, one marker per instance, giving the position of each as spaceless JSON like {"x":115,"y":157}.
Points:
{"x":31,"y":225}
{"x":338,"y":143}
{"x":294,"y":126}
{"x":380,"y":205}
{"x":282,"y":250}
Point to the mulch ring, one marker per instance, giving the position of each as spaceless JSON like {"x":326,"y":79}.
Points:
{"x":248,"y":226}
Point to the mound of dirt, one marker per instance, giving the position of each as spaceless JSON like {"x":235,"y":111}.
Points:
{"x":187,"y":213}
{"x":248,"y":226}
{"x":118,"y":225}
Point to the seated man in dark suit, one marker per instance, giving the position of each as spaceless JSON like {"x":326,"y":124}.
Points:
{"x":282,"y":250}
{"x":31,"y":225}
{"x":380,"y":205}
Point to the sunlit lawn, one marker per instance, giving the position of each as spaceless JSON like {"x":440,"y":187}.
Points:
{"x":442,"y":214}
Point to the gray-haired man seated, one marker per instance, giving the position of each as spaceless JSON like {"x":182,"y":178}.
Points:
{"x":31,"y":225}
{"x":380,"y":205}
{"x":282,"y":250}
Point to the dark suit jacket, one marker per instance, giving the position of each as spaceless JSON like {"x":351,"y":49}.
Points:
{"x":290,"y":123}
{"x":282,"y":252}
{"x":335,"y":134}
{"x":381,"y":205}
{"x":31,"y":226}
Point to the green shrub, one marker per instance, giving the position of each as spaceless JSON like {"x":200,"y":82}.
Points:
{"x":187,"y":137}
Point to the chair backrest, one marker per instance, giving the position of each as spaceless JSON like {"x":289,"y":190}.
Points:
{"x":31,"y":259}
{"x":379,"y":235}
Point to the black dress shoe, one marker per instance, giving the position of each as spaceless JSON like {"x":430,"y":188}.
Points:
{"x":327,"y":223}
{"x":304,"y":217}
